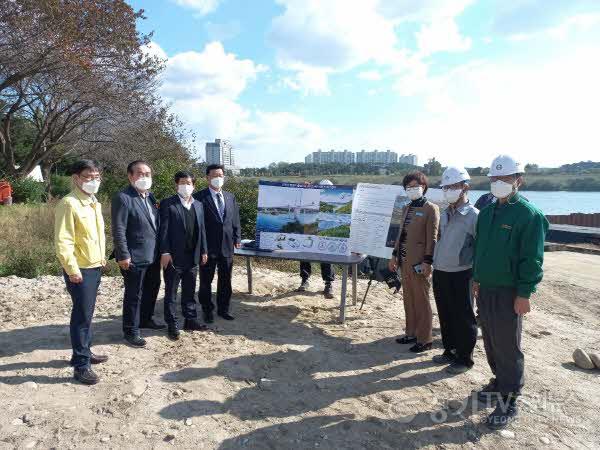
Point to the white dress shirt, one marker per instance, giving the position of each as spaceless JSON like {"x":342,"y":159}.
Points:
{"x":187,"y":204}
{"x":214,"y":194}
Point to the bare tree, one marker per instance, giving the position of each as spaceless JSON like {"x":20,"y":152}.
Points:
{"x":76,"y":70}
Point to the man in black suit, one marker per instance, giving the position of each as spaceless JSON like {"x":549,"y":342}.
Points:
{"x":223,"y":233}
{"x":182,"y":247}
{"x":135,"y":225}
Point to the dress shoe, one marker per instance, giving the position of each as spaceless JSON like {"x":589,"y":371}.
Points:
{"x":489,"y":393}
{"x":173,"y":332}
{"x":135,"y":340}
{"x":193,"y":325}
{"x":209,"y":317}
{"x":420,"y":348}
{"x":152,"y":325}
{"x":506,"y":411}
{"x":406,"y":340}
{"x":94,"y":359}
{"x":303,"y":286}
{"x":457,"y":368}
{"x":86,"y":376}
{"x":328,"y":291}
{"x":445,"y":358}
{"x":226,"y":316}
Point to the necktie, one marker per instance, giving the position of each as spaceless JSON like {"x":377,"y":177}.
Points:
{"x":220,"y":204}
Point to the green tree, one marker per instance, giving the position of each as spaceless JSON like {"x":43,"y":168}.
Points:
{"x":433,"y":168}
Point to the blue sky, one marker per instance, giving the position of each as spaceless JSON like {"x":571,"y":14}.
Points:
{"x":460,"y":80}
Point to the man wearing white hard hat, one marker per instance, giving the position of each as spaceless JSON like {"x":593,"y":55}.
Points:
{"x":507,"y":267}
{"x":327,"y":272}
{"x":452,"y":273}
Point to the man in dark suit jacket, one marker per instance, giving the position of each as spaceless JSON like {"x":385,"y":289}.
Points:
{"x":183,"y":247}
{"x":135,"y":225}
{"x":223,"y":233}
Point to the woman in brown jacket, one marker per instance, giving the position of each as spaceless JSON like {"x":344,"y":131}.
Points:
{"x":413,"y":252}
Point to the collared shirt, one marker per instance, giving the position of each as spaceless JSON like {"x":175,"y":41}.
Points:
{"x":145,"y":196}
{"x":187,"y":204}
{"x":455,"y":247}
{"x":214,"y":194}
{"x":79,"y":233}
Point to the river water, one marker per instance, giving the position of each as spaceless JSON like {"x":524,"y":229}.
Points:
{"x":558,"y":202}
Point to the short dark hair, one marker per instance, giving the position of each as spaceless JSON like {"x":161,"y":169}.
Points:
{"x":83,"y":164}
{"x":132,"y":165}
{"x":184,"y":174}
{"x":417,"y":176}
{"x":214,"y":167}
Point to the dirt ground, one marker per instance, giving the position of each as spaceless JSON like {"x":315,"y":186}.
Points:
{"x":285,"y":374}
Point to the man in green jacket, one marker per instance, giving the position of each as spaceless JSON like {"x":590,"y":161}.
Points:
{"x":507,"y":266}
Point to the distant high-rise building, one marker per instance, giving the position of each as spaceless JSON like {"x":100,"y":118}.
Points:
{"x":377,"y":157}
{"x":221,"y":152}
{"x":384,"y":158}
{"x":409,"y":159}
{"x":332,"y":156}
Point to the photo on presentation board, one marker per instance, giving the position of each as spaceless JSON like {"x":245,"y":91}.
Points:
{"x":396,"y":221}
{"x":377,"y":217}
{"x":298,"y":217}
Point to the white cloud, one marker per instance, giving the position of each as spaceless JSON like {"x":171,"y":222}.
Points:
{"x":213,"y":72}
{"x":314,"y":39}
{"x":277,"y":136}
{"x":335,"y":35}
{"x":370,"y":75}
{"x":528,"y":17}
{"x":202,"y":7}
{"x":441,"y":35}
{"x":544,"y":112}
{"x":203,"y":89}
{"x":578,"y":23}
{"x":153,"y":50}
{"x":309,"y":81}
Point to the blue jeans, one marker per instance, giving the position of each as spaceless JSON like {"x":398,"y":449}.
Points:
{"x":83,"y":296}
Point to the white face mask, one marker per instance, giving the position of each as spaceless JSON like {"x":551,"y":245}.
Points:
{"x":452,"y":195}
{"x":502,"y":189}
{"x":185,"y":190}
{"x":217,"y":182}
{"x":414,"y":193}
{"x":143,"y":183}
{"x":91,"y":187}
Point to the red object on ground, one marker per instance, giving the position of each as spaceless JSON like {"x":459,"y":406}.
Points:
{"x":5,"y":192}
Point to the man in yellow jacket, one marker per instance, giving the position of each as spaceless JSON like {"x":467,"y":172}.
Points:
{"x":80,"y":247}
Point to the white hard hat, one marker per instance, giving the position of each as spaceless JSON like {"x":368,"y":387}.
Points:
{"x":453,"y":175}
{"x":325,"y":183}
{"x":505,"y":165}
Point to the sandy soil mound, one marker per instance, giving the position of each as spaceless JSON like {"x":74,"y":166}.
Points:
{"x":285,"y":374}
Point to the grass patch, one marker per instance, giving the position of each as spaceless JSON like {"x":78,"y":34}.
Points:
{"x":342,"y":231}
{"x":27,"y":244}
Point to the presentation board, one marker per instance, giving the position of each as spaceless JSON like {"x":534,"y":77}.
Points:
{"x":377,"y":217}
{"x":304,"y":218}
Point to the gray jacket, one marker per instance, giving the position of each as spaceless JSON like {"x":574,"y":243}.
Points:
{"x":454,"y":249}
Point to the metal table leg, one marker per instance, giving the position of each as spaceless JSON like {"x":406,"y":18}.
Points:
{"x":249,"y":273}
{"x":354,"y":279}
{"x":343,"y":296}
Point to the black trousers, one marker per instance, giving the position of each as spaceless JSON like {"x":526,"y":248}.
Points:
{"x":501,"y":328}
{"x":83,"y":296}
{"x":207,"y":273}
{"x":142,"y":284}
{"x":327,"y":272}
{"x":173,"y":277}
{"x":452,"y":292}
